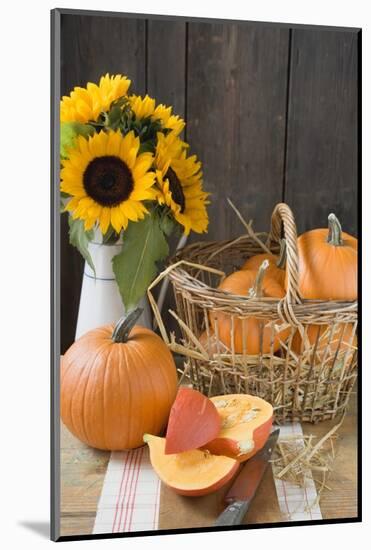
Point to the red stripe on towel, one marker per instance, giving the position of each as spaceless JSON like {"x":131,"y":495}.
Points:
{"x":119,"y":493}
{"x":131,"y":510}
{"x":128,"y":494}
{"x":123,"y":492}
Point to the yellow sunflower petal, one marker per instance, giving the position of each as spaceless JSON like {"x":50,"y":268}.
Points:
{"x":129,"y":149}
{"x":89,"y":224}
{"x":129,"y":211}
{"x":87,"y":202}
{"x":84,"y":104}
{"x":114,"y":143}
{"x":72,"y":204}
{"x":105,"y":218}
{"x":118,"y":219}
{"x":145,"y":181}
{"x":142,"y":165}
{"x":190,"y":212}
{"x":144,"y":194}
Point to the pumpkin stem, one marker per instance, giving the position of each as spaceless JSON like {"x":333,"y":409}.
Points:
{"x":256,"y":291}
{"x":124,"y":326}
{"x":334,"y":231}
{"x":281,"y":262}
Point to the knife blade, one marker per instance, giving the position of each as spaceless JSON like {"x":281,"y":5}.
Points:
{"x":246,"y":483}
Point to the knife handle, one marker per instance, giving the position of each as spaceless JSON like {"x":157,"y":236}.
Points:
{"x":233,"y":514}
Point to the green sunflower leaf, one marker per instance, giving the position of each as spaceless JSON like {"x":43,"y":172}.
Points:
{"x":147,"y":147}
{"x":114,"y":117}
{"x":144,"y":244}
{"x":80,"y":239}
{"x":69,"y":133}
{"x":168,"y":224}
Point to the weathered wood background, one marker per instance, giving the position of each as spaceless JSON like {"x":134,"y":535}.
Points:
{"x":272,"y":113}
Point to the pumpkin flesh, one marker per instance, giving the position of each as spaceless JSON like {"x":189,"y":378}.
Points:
{"x":190,"y":473}
{"x":246,"y":425}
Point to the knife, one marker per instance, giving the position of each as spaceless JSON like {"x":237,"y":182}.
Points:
{"x":246,"y":483}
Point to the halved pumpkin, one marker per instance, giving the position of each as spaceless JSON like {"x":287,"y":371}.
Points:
{"x":193,"y":421}
{"x":191,"y":473}
{"x":246,"y":425}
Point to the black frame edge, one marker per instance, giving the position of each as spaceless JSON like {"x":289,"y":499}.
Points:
{"x":55,"y":277}
{"x":134,"y":534}
{"x":98,"y":13}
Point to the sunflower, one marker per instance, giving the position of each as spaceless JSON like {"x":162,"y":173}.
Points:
{"x":146,"y":107}
{"x":179,"y":179}
{"x":107,"y":180}
{"x":84,"y":104}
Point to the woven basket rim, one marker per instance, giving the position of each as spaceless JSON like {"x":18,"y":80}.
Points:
{"x":219,"y":299}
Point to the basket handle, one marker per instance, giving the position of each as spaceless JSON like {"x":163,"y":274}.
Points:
{"x":282,"y":216}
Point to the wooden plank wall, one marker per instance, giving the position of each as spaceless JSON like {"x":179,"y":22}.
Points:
{"x":270,"y":111}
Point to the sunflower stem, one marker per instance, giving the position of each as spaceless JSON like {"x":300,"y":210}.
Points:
{"x":335,"y":232}
{"x":125,"y":325}
{"x":256,"y":291}
{"x":281,"y":262}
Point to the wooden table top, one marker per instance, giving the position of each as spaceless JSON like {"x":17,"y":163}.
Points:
{"x":83,"y":470}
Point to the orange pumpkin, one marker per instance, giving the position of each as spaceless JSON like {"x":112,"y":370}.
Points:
{"x":117,"y":383}
{"x":190,"y":473}
{"x":341,"y":340}
{"x":276,"y":268}
{"x":328,"y":263}
{"x":247,"y":339}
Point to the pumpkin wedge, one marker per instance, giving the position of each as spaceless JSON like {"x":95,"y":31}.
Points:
{"x":246,"y":425}
{"x":191,"y":473}
{"x":193,"y":421}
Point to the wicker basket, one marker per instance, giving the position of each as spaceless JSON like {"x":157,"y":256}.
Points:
{"x":310,"y":384}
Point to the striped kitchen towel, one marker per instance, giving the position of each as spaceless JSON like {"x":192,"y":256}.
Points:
{"x":130,"y":498}
{"x":296,"y":503}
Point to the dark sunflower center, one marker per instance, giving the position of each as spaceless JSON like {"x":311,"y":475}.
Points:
{"x":176,"y":189}
{"x":108,"y":180}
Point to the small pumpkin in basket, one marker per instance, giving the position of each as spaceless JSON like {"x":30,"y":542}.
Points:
{"x":276,"y":268}
{"x":250,"y":335}
{"x":328,"y":341}
{"x":117,"y":383}
{"x":327,"y":263}
{"x":327,"y":271}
